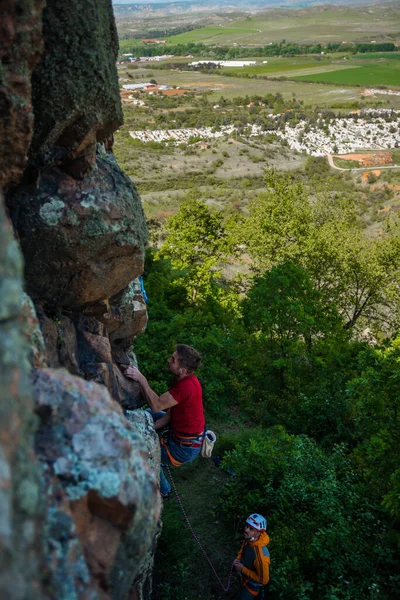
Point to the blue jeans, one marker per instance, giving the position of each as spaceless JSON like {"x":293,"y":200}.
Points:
{"x":183,"y":454}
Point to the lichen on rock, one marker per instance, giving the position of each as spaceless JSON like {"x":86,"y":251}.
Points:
{"x":82,"y":232}
{"x":20,"y":514}
{"x":20,"y":49}
{"x":99,"y":463}
{"x":33,"y":333}
{"x":74,"y":263}
{"x":75,"y":86}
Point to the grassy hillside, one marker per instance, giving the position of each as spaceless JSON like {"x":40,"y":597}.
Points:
{"x":306,"y":26}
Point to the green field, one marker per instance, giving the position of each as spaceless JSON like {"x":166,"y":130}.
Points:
{"x":207,"y":34}
{"x":277,"y":65}
{"x":285,"y":69}
{"x":323,"y":25}
{"x":217,"y":85}
{"x":365,"y":70}
{"x":230,"y":87}
{"x":372,"y":75}
{"x":372,"y":69}
{"x":379,"y":56}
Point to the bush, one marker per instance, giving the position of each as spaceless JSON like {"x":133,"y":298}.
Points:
{"x":325,"y":535}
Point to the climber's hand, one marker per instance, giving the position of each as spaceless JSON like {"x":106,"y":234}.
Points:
{"x":132,"y":373}
{"x":237,"y":565}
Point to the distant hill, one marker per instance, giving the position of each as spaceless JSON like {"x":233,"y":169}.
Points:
{"x":124,"y":8}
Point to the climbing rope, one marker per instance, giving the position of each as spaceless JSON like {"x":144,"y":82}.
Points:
{"x":225,"y":589}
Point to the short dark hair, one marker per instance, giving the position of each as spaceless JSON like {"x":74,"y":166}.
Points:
{"x":188,"y":357}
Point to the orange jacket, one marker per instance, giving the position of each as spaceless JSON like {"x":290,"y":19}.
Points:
{"x":256,"y":560}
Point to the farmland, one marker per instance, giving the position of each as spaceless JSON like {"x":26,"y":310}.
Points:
{"x":305,"y":26}
{"x":369,"y":70}
{"x":230,"y":85}
{"x":372,"y":69}
{"x":372,"y":75}
{"x":228,"y":172}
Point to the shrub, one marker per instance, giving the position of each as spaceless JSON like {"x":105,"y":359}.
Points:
{"x":325,"y":535}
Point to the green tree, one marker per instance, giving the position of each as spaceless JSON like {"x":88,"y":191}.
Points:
{"x":278,"y":225}
{"x":357,"y":274}
{"x":376,"y":398}
{"x":326,"y":536}
{"x":196,"y":243}
{"x":289,"y":316}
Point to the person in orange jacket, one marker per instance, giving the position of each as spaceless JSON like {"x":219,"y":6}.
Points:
{"x":253,"y":559}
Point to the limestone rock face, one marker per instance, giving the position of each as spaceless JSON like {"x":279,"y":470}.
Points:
{"x":101,"y":485}
{"x":20,"y":514}
{"x":83,"y":241}
{"x":20,"y":48}
{"x":75,"y":86}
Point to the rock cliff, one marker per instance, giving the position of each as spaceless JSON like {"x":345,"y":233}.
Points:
{"x":79,"y":459}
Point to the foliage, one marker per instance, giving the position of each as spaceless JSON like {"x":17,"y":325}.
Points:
{"x":278,"y":223}
{"x":280,"y":352}
{"x":352,"y":271}
{"x":226,"y":53}
{"x":321,"y":526}
{"x":196,"y":242}
{"x":209,"y":326}
{"x":375,"y":396}
{"x":294,"y":336}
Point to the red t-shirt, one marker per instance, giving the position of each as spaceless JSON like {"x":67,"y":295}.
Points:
{"x":187,"y":417}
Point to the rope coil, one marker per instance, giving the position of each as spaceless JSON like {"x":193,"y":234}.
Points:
{"x":225,"y":589}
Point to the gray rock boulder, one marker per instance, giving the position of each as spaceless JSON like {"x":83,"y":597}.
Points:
{"x":83,"y":241}
{"x":75,"y":86}
{"x":101,"y":488}
{"x":20,"y":511}
{"x":20,"y":49}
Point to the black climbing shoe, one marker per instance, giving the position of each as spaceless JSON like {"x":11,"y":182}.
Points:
{"x":166,"y":496}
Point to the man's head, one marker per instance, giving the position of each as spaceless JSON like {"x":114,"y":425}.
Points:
{"x":255,"y":524}
{"x":184,"y":361}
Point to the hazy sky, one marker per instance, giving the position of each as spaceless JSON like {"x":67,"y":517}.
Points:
{"x":143,"y":1}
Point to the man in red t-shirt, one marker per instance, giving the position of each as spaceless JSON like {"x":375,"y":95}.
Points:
{"x":181,"y":408}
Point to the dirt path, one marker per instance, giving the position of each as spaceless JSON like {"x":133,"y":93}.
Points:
{"x":332,"y":164}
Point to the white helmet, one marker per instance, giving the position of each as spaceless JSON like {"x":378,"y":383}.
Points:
{"x":257,"y":522}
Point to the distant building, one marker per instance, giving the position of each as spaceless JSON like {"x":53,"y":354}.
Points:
{"x":136,"y":86}
{"x":155,"y":58}
{"x":224,"y":63}
{"x":153,"y":41}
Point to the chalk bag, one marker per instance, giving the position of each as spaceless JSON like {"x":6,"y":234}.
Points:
{"x":208,"y":443}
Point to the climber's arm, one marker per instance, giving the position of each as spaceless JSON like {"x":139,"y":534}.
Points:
{"x":163,"y":421}
{"x":260,"y":573}
{"x":155,"y":402}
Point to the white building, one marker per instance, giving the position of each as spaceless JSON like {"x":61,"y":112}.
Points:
{"x":136,"y":86}
{"x":225,"y":63}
